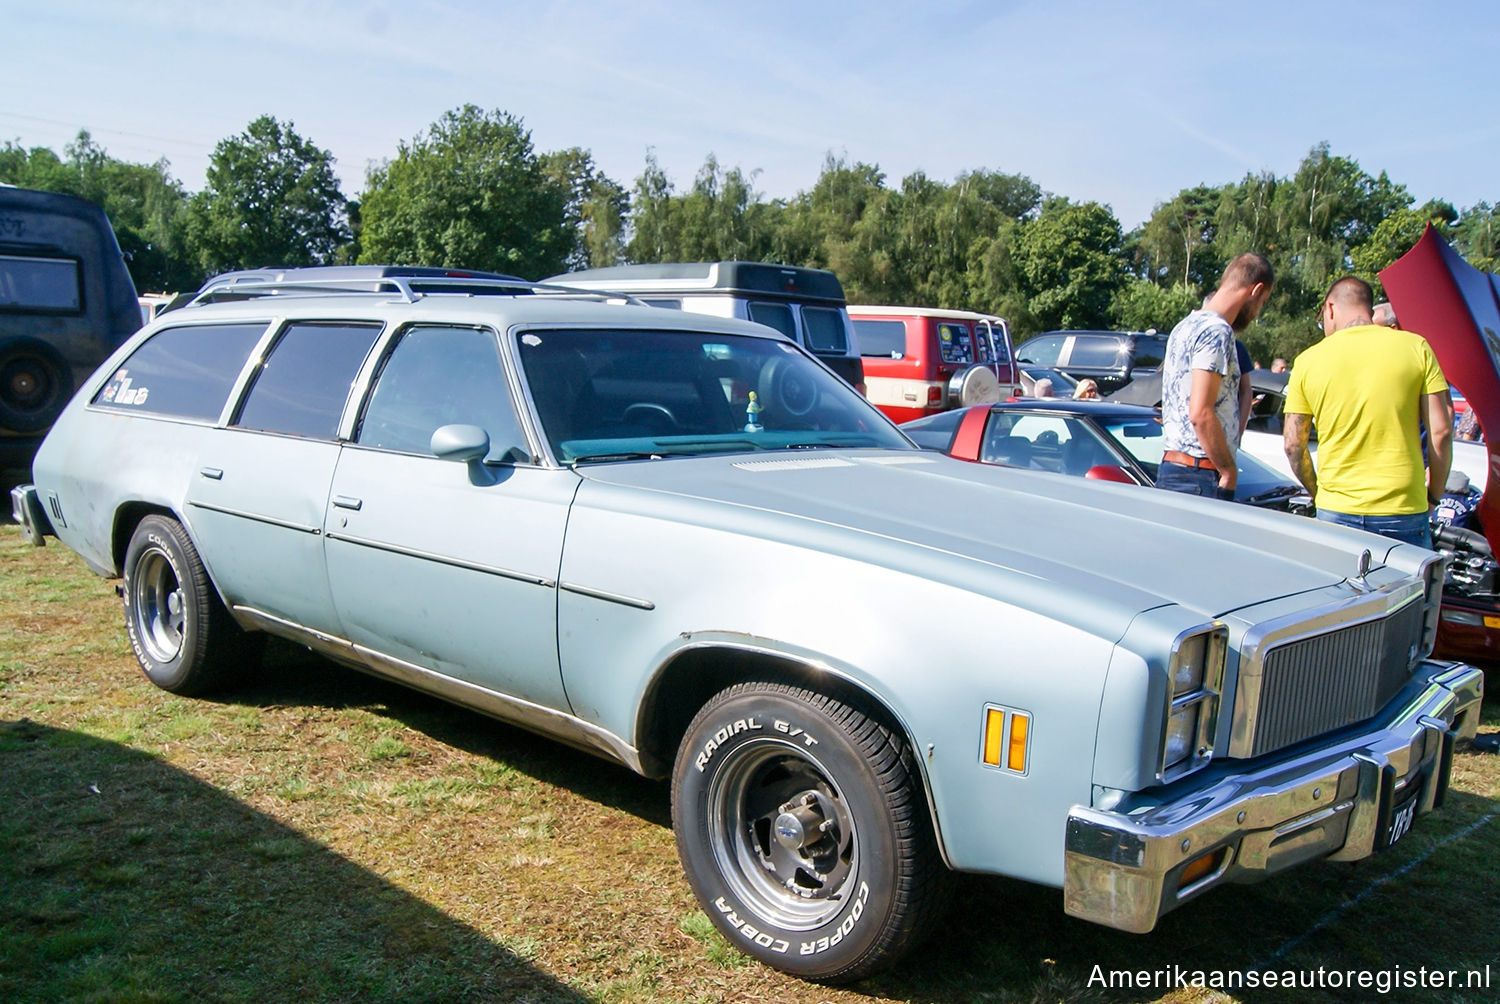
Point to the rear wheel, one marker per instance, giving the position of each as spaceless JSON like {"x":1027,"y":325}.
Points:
{"x":183,"y":637}
{"x":802,"y":830}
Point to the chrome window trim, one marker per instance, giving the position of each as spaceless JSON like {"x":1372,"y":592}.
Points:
{"x":1207,"y":695}
{"x":1266,"y":636}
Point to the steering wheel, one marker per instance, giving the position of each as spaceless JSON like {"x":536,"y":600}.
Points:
{"x":650,"y":414}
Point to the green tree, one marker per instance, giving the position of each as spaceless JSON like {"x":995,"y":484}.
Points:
{"x":1395,"y":235}
{"x":1476,"y":236}
{"x":271,"y":200}
{"x":1069,"y":263}
{"x":595,"y":209}
{"x":655,"y":222}
{"x":471,"y":193}
{"x":1178,"y":243}
{"x":1141,"y":304}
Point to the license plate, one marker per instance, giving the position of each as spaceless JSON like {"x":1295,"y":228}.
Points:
{"x":1403,"y":815}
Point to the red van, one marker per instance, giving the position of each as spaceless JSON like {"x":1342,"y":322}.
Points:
{"x":922,"y":360}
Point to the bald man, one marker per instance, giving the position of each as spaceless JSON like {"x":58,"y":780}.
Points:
{"x":1369,"y":390}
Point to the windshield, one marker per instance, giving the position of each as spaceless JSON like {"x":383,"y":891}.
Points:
{"x":1142,"y":439}
{"x":628,"y":394}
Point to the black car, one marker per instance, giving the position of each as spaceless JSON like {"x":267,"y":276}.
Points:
{"x":1092,"y":439}
{"x":1110,"y":358}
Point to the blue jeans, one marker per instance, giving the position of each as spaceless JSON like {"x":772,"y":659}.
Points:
{"x":1410,"y":528}
{"x":1191,"y":480}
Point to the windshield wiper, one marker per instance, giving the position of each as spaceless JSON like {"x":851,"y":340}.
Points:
{"x":599,"y":458}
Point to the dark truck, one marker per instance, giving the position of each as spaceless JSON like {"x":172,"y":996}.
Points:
{"x":66,"y":303}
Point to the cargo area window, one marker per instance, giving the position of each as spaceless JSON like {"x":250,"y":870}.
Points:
{"x":301,"y":387}
{"x":40,"y":284}
{"x":825,"y":330}
{"x":775,"y":315}
{"x":184,"y":372}
{"x":881,"y":339}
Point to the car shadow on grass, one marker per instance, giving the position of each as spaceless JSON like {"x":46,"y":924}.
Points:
{"x":125,"y":879}
{"x":291,"y":675}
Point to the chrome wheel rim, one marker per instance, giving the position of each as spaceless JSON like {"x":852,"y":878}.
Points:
{"x":157,"y":606}
{"x":782,"y":834}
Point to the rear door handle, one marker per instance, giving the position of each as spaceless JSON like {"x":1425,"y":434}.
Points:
{"x":212,"y":473}
{"x":347,"y":502}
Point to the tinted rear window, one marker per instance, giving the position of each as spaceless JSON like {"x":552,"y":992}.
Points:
{"x":49,"y":284}
{"x":1094,"y":350}
{"x":1150,"y":350}
{"x":882,"y":339}
{"x":186,"y":372}
{"x":825,"y":330}
{"x":301,"y":388}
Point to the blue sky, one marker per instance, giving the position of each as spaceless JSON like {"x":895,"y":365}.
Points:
{"x":1124,"y":102}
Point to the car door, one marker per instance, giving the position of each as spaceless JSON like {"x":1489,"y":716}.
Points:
{"x":256,"y":501}
{"x":439,"y":566}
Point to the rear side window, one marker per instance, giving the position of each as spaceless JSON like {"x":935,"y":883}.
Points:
{"x":775,"y":315}
{"x":953,"y":340}
{"x":439,"y":376}
{"x":1094,"y":350}
{"x":825,"y":330}
{"x":301,"y":388}
{"x":40,"y":284}
{"x":881,"y":339}
{"x":185,"y":372}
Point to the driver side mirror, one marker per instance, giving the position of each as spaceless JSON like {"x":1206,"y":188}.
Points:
{"x":467,"y":444}
{"x":1110,"y":472}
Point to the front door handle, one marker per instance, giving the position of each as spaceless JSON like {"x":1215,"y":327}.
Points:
{"x":347,"y":502}
{"x":212,"y":473}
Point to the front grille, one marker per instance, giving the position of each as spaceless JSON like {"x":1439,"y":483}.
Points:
{"x":1318,"y":684}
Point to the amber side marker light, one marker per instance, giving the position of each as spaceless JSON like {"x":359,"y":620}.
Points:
{"x":1201,"y":867}
{"x":1005,"y":738}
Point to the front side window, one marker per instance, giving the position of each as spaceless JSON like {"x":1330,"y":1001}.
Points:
{"x":437,"y":376}
{"x":1065,"y":444}
{"x":881,"y":339}
{"x":184,"y":372}
{"x":303,"y":384}
{"x":643,"y":394}
{"x":775,"y":315}
{"x":41,"y":284}
{"x":1043,"y":350}
{"x":825,"y":330}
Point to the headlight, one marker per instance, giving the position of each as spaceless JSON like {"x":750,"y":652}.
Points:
{"x":1196,"y":667}
{"x":1182,"y":733}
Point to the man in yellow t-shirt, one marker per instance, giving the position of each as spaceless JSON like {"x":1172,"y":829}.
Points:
{"x":1369,"y":390}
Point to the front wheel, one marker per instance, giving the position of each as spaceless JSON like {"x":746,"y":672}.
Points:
{"x":803,"y":833}
{"x":183,"y":637}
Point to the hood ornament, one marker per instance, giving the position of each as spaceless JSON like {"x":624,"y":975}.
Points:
{"x":1361,"y":569}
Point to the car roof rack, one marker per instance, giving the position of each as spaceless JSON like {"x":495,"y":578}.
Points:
{"x":409,"y":289}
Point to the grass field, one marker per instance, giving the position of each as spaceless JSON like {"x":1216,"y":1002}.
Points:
{"x":322,"y":836}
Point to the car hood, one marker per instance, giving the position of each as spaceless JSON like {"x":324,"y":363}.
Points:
{"x":1086,"y":552}
{"x":1456,"y":308}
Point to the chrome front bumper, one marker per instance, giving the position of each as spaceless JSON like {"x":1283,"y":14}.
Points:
{"x":1344,"y":801}
{"x":26,"y":508}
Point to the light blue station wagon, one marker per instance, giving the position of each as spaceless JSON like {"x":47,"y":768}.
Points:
{"x":682,"y":543}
